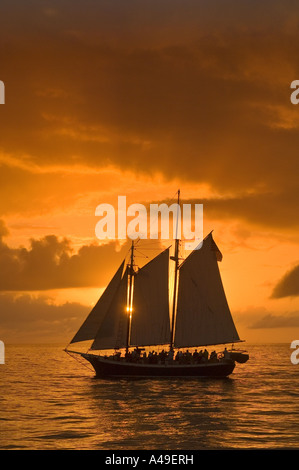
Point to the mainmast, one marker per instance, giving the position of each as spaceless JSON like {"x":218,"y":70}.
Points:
{"x":130,"y":296}
{"x":175,"y":258}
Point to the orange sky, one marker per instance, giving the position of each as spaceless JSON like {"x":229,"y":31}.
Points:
{"x":140,"y":99}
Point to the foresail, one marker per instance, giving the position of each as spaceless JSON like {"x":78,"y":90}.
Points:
{"x":150,"y":316}
{"x":91,"y":325}
{"x":112,"y":332}
{"x":203,"y":315}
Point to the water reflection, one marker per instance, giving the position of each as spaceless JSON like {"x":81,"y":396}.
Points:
{"x":173,"y":412}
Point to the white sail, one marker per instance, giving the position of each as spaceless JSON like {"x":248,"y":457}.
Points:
{"x":203,"y":316}
{"x":112,"y":333}
{"x":150,"y":316}
{"x":91,"y":325}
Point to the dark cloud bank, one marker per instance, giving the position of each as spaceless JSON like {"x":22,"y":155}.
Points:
{"x":288,"y":286}
{"x":50,"y":263}
{"x":182,"y":87}
{"x":36,"y":319}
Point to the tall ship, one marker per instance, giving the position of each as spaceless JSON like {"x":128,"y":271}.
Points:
{"x":138,"y":329}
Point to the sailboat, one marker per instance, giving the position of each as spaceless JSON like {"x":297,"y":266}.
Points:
{"x":133,"y":316}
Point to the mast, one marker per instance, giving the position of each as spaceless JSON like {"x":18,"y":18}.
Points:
{"x":130,"y":297}
{"x":175,"y":258}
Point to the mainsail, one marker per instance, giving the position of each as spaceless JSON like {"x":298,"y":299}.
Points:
{"x":203,"y":316}
{"x":150,"y":318}
{"x":91,"y":325}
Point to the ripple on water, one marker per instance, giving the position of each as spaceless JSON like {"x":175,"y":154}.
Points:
{"x":49,"y":402}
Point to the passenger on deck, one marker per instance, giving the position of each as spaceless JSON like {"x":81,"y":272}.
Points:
{"x":213,"y":356}
{"x":226,"y":354}
{"x":195,"y":356}
{"x":205,"y":355}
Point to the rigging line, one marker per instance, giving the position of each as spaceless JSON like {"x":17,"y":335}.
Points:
{"x":174,"y":197}
{"x":142,"y":254}
{"x":157,"y":248}
{"x":170,"y":200}
{"x":153,"y":249}
{"x":80,"y":362}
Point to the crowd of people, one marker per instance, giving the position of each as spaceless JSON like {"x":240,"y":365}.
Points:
{"x":139,"y":355}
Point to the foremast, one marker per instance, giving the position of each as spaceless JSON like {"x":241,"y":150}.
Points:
{"x":175,"y":258}
{"x":131,"y":274}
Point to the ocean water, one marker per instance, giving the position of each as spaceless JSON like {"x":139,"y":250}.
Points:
{"x":51,"y":401}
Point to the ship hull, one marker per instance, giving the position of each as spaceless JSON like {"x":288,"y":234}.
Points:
{"x":111,"y":368}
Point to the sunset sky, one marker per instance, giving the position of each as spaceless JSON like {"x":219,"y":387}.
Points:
{"x":140,"y":98}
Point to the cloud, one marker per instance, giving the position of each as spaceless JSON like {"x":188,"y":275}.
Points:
{"x":288,"y":320}
{"x":266,"y":208}
{"x":288,"y":286}
{"x":163,"y":87}
{"x":254,"y":318}
{"x":51,"y":263}
{"x":3,"y":229}
{"x":25,"y":318}
{"x":166,"y":86}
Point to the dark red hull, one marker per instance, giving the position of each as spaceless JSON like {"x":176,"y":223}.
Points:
{"x":112,"y":368}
